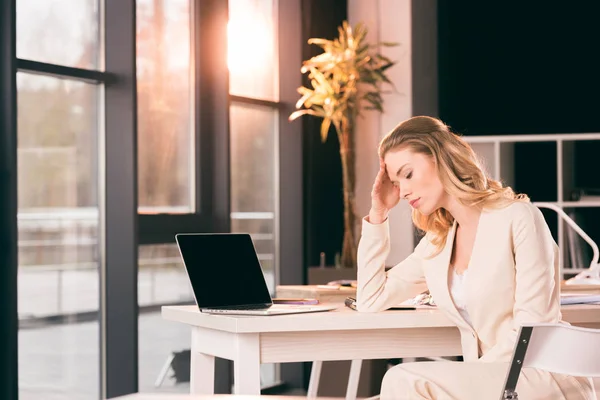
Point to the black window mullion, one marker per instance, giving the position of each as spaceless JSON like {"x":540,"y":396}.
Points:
{"x":291,"y":237}
{"x":8,"y":203}
{"x":255,"y":101}
{"x":161,"y":228}
{"x":64,"y":72}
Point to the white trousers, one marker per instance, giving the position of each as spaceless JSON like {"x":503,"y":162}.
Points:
{"x":477,"y":381}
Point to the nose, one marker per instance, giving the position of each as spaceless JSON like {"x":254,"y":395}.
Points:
{"x":404,"y":190}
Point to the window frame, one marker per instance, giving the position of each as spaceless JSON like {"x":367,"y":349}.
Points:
{"x":211,"y":147}
{"x":9,"y":386}
{"x":212,"y":151}
{"x":122,"y":228}
{"x":118,"y":309}
{"x":209,"y":142}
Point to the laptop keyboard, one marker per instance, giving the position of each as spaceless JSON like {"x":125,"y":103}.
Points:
{"x":248,"y":307}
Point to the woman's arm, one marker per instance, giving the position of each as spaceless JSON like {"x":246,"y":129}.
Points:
{"x":378,"y":290}
{"x":537,"y":296}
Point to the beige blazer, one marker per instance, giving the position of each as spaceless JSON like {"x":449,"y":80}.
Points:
{"x":513,"y":278}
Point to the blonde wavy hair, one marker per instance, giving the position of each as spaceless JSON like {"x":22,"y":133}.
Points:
{"x":459,"y":170}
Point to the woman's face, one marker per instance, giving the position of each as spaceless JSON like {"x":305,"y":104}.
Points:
{"x":417,"y":177}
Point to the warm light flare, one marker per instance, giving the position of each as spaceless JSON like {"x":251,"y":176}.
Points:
{"x":249,"y":44}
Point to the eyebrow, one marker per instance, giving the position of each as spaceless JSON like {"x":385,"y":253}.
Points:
{"x":400,"y":170}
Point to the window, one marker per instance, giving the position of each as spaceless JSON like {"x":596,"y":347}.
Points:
{"x":64,"y":32}
{"x":78,"y":116}
{"x":252,"y":49}
{"x":58,"y":219}
{"x":63,"y":205}
{"x":253,"y":177}
{"x":254,"y":121}
{"x":166,"y":176}
{"x":161,"y":280}
{"x":165,"y":118}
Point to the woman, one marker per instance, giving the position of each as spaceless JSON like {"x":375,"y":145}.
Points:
{"x":487,"y":258}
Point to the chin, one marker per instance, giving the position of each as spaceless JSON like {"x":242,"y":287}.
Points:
{"x":427,"y":210}
{"x":423,"y":210}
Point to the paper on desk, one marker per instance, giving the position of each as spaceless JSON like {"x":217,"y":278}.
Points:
{"x":579,"y":298}
{"x":424,"y":299}
{"x":412,"y":306}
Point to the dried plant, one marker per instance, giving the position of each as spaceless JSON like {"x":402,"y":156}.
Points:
{"x":346,"y":79}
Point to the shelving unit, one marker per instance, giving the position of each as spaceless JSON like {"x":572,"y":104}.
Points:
{"x":498,"y":155}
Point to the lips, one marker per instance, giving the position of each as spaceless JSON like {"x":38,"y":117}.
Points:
{"x":414,"y":203}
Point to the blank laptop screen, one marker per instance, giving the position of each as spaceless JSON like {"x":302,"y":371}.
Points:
{"x":223,"y":269}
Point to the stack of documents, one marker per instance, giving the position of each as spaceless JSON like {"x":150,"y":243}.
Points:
{"x":579,"y":298}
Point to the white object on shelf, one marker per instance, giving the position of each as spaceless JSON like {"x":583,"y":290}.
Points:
{"x":591,"y":276}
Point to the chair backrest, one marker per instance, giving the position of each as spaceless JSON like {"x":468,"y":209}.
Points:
{"x":558,"y":348}
{"x":564,"y":349}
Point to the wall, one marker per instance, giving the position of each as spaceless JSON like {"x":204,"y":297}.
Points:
{"x":407,"y":23}
{"x":525,"y":70}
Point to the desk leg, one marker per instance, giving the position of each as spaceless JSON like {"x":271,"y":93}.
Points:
{"x":202,"y":378}
{"x":246,"y":366}
{"x":315,"y":377}
{"x":202,"y":369}
{"x":353,"y":379}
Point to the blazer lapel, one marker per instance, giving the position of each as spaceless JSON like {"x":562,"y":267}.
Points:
{"x":444,"y":259}
{"x":446,"y":300}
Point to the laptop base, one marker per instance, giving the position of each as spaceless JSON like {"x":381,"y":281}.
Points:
{"x":276,"y":309}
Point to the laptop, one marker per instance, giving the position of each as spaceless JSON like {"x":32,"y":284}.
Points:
{"x":226,"y":276}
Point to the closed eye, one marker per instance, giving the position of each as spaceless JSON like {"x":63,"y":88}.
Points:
{"x":409,"y":175}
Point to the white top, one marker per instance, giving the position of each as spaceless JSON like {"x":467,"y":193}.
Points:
{"x":458,"y":289}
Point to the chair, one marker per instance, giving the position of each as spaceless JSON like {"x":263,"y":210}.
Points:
{"x":179,"y":362}
{"x":590,"y":276}
{"x":557,"y":348}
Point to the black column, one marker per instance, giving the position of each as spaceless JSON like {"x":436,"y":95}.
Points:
{"x":322,"y":170}
{"x":8,"y":202}
{"x":119,"y":299}
{"x":323,"y":201}
{"x":212,"y":119}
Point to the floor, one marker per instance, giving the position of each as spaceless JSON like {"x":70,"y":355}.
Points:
{"x":62,"y":362}
{"x":59,"y":362}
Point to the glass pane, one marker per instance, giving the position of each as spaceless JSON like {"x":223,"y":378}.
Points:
{"x":165,"y":127}
{"x":253,"y":190}
{"x":161,"y":276}
{"x":253,"y":165}
{"x":253,"y":157}
{"x":58,"y":277}
{"x":252,"y":49}
{"x":64,"y":32}
{"x":162,"y":280}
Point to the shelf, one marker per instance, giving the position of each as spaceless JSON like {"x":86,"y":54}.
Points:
{"x":549,"y":168}
{"x":550,"y":137}
{"x":578,"y":204}
{"x":572,"y":204}
{"x":574,"y":270}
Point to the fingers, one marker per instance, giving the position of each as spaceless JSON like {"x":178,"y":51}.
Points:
{"x":380,"y":178}
{"x":382,"y":182}
{"x":382,"y":171}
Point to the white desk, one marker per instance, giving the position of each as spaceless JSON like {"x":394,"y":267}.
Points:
{"x":342,"y":334}
{"x":168,"y":396}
